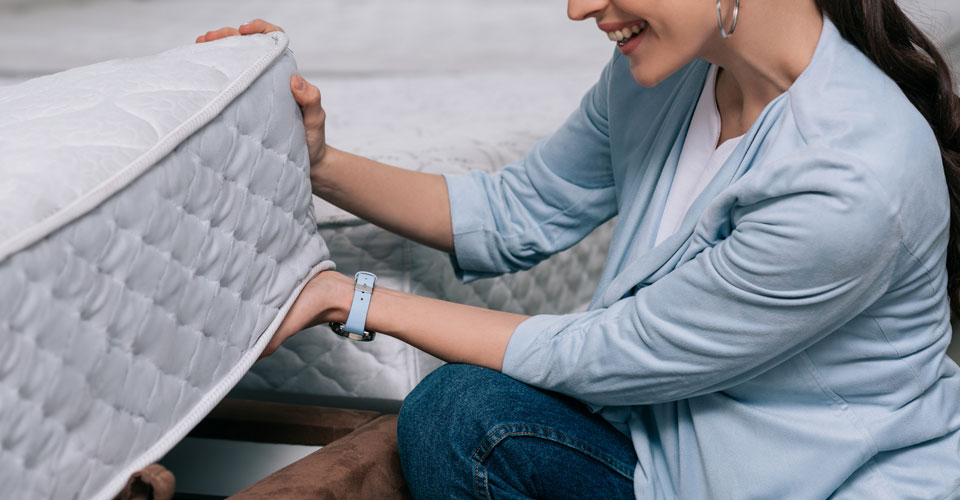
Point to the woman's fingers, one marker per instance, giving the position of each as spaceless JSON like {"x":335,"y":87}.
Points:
{"x":290,"y":325}
{"x":217,"y":34}
{"x":258,"y":26}
{"x":308,"y":97}
{"x":304,"y":313}
{"x":255,"y":26}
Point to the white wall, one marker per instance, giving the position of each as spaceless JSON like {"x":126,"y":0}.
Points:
{"x":941,"y":20}
{"x":25,"y":4}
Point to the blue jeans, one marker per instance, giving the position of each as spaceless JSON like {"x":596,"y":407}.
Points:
{"x":471,"y":432}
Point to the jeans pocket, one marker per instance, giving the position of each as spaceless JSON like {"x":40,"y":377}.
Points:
{"x":503,"y":432}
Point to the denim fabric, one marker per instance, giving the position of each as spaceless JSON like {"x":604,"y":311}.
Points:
{"x":471,"y":432}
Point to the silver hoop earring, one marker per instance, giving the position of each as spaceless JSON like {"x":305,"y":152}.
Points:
{"x":736,"y":14}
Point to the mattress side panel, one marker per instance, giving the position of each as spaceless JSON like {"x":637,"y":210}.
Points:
{"x":116,"y":327}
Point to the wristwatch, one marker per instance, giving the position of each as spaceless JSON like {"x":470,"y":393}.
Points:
{"x":355,"y":327}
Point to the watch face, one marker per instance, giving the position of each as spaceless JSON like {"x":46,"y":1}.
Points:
{"x":366,"y":336}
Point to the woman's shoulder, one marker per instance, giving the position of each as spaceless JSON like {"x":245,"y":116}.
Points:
{"x":844,"y":102}
{"x":847,"y":109}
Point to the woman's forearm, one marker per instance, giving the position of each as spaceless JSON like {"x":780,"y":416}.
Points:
{"x":453,"y":332}
{"x":412,"y":204}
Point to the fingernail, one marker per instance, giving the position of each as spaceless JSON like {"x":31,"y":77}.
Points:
{"x":299,"y":82}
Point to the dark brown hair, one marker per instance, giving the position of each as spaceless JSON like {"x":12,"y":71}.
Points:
{"x":881,"y":30}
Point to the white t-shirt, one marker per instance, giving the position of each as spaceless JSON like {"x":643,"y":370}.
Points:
{"x":700,"y":159}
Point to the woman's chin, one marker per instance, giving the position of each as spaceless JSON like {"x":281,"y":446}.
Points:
{"x":645,"y":77}
{"x":650,"y":74}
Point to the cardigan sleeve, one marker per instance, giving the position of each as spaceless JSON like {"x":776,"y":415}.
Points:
{"x":809,"y":248}
{"x":540,"y":205}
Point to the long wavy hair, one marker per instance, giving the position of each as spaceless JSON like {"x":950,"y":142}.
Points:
{"x":881,"y":30}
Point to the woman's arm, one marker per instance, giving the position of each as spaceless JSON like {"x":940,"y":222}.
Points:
{"x":814,"y":241}
{"x":560,"y":192}
{"x":412,"y":204}
{"x":452,"y":332}
{"x":496,"y":224}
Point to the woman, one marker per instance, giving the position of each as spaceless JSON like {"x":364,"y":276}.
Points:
{"x":774,"y":313}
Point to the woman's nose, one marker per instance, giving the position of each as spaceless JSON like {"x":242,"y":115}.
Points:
{"x":578,"y":10}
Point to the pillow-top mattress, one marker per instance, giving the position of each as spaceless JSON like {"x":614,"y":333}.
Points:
{"x":156,"y":224}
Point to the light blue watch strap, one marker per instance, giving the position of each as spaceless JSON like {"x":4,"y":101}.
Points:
{"x":362,"y":292}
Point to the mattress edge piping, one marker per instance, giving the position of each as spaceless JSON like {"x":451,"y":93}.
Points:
{"x":124,"y":176}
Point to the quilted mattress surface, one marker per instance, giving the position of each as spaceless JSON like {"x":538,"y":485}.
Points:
{"x":155,"y":225}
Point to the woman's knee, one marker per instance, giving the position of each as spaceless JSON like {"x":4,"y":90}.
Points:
{"x":441,"y":397}
{"x":435,"y":448}
{"x":453,"y":410}
{"x":455,"y":393}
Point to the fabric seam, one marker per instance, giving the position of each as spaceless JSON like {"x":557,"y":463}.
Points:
{"x":913,"y":371}
{"x":503,"y":432}
{"x":840,"y":405}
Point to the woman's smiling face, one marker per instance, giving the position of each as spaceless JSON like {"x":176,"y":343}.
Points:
{"x":666,"y":34}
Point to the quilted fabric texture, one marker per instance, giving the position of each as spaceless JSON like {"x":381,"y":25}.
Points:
{"x":125,"y":323}
{"x":67,"y":136}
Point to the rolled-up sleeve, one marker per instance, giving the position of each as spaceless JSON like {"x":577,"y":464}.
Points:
{"x":810,"y":247}
{"x":545,"y":203}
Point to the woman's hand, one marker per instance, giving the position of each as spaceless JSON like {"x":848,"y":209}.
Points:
{"x":314,"y":118}
{"x":325,"y":298}
{"x":452,"y":332}
{"x":255,"y":26}
{"x":306,"y":95}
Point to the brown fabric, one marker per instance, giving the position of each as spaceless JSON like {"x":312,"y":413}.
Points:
{"x":362,"y":465}
{"x":152,"y":483}
{"x":264,"y":422}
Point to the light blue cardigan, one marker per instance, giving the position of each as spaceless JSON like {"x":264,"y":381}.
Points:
{"x":789,"y":341}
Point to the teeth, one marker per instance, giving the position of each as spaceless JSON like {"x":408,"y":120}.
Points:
{"x":626,"y":33}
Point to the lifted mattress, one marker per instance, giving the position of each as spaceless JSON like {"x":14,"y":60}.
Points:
{"x":155,"y":225}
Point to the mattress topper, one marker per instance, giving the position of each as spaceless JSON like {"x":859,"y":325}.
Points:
{"x":101,"y":126}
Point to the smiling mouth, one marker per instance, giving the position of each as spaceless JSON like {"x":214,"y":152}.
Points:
{"x":624,"y":35}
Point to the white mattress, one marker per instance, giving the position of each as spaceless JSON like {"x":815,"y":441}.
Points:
{"x":155,"y":225}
